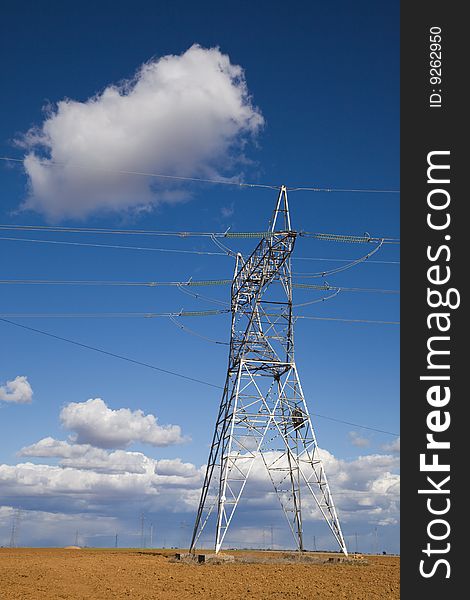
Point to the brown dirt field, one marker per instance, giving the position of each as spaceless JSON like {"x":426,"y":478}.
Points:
{"x":53,"y":573}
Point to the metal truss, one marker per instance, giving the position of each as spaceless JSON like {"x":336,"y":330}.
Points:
{"x":263,"y":417}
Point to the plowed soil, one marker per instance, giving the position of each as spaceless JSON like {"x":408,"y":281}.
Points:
{"x":50,"y":574}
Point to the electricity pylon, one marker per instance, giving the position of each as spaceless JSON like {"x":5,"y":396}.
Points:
{"x":263,"y":417}
{"x":15,"y":526}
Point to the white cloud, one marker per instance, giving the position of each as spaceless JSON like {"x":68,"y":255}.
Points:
{"x":392,"y":446}
{"x":357,"y":440}
{"x":83,"y":479}
{"x":366,"y":483}
{"x":175,"y":466}
{"x":186,"y":115}
{"x":100,"y":487}
{"x":50,"y":447}
{"x":113,"y":483}
{"x":94,"y":423}
{"x":17,"y":390}
{"x":85,"y":456}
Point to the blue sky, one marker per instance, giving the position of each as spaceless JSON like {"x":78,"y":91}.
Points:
{"x":320,"y":108}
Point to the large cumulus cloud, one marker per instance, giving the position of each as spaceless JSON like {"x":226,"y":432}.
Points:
{"x":186,"y":115}
{"x":93,"y":422}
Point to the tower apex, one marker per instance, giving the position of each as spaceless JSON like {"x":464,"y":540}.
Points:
{"x":280,"y":220}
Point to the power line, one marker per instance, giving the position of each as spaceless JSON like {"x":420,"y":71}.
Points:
{"x":344,"y":260}
{"x":308,"y":286}
{"x":155,"y":368}
{"x":150,"y":315}
{"x":354,"y":239}
{"x":349,"y":265}
{"x":178,"y":251}
{"x":196,"y":334}
{"x":347,"y":320}
{"x":51,"y":163}
{"x":318,"y":300}
{"x":198,"y":252}
{"x":353,"y":190}
{"x":190,"y":283}
{"x":115,"y":315}
{"x":354,"y":424}
{"x":330,"y":237}
{"x":109,"y":231}
{"x":113,"y":354}
{"x":185,"y":290}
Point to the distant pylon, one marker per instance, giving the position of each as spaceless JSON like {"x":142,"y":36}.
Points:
{"x":142,"y":529}
{"x":263,"y":416}
{"x":15,"y":528}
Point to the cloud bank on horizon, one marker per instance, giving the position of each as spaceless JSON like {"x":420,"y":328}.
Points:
{"x":184,"y":115}
{"x":92,"y":479}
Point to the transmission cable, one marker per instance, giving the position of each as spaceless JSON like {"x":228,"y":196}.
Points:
{"x":346,"y":238}
{"x":181,"y":285}
{"x":151,"y":315}
{"x":354,"y":424}
{"x":343,"y":260}
{"x":98,"y":282}
{"x":329,"y":237}
{"x":195,"y":333}
{"x":51,"y":163}
{"x":317,"y":300}
{"x":183,"y":288}
{"x":198,"y":252}
{"x":341,"y":320}
{"x":353,"y":263}
{"x":175,"y":250}
{"x":155,"y":368}
{"x":113,"y":354}
{"x":350,"y":190}
{"x":115,"y":315}
{"x":223,"y":247}
{"x":308,"y":286}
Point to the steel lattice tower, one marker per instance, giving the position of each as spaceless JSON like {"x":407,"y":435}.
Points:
{"x":263,"y":415}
